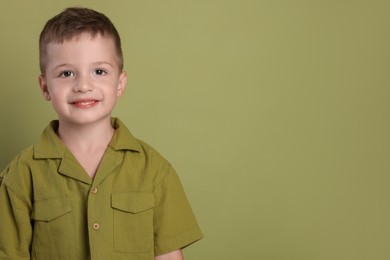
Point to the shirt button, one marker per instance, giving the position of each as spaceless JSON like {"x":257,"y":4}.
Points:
{"x":95,"y":226}
{"x":94,"y":190}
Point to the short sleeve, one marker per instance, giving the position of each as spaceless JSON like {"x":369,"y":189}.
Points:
{"x":15,"y":225}
{"x":175,"y":224}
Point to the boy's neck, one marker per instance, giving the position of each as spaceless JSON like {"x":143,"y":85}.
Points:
{"x":86,"y":137}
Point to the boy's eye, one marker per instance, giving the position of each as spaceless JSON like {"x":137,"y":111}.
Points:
{"x":66,"y":74}
{"x":100,"y":72}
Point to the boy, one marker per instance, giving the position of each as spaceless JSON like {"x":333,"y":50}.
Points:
{"x":89,"y":189}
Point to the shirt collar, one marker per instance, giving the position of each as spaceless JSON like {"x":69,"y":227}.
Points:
{"x":50,"y":146}
{"x":122,"y":138}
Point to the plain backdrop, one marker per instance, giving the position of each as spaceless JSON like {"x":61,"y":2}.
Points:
{"x":274,"y":113}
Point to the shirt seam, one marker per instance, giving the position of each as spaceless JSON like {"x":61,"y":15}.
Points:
{"x":19,"y":197}
{"x":162,"y":180}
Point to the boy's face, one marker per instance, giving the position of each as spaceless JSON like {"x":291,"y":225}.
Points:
{"x":82,"y":79}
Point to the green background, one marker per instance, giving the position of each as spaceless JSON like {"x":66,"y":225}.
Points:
{"x":274,"y":113}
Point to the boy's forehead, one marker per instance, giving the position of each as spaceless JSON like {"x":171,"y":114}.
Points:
{"x":83,"y":44}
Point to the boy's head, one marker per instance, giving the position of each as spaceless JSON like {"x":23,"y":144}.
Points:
{"x":73,"y":22}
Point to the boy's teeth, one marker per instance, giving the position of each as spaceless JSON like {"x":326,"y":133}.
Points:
{"x":85,"y":102}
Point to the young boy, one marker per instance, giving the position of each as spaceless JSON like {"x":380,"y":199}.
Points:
{"x":89,"y":189}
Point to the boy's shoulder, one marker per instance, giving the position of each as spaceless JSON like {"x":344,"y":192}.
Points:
{"x":146,"y":154}
{"x":150,"y":151}
{"x":152,"y":159}
{"x":20,"y":164}
{"x":22,"y":158}
{"x":125,"y":140}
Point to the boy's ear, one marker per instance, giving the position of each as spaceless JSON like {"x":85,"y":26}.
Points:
{"x":122,"y":84}
{"x":43,"y":87}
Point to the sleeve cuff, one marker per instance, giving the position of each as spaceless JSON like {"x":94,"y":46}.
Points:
{"x":170,"y":244}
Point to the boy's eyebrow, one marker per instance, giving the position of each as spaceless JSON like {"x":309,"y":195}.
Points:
{"x":94,"y":64}
{"x":103,"y":63}
{"x":61,"y":65}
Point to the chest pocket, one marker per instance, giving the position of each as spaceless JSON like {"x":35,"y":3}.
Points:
{"x":133,"y":221}
{"x":53,"y":233}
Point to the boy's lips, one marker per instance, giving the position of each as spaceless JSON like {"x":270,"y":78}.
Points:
{"x":84,"y":103}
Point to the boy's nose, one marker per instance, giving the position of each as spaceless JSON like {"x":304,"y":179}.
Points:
{"x":83,"y":85}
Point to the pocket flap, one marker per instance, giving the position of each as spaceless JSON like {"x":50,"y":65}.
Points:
{"x":50,"y":209}
{"x":132,"y":202}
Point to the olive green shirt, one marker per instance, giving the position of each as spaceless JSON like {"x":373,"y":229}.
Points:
{"x":134,"y":208}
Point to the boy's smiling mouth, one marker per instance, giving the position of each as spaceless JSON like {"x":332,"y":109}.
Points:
{"x":84,"y":103}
